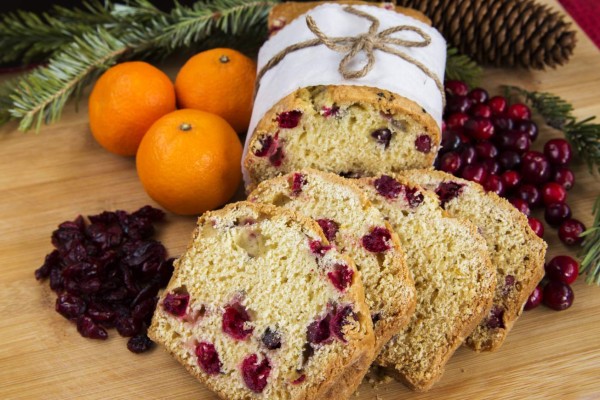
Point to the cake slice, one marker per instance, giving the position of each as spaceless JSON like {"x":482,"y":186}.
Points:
{"x":515,"y":250}
{"x":453,"y":278}
{"x":255,"y":309}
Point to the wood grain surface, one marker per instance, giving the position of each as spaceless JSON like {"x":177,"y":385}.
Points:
{"x":62,"y":172}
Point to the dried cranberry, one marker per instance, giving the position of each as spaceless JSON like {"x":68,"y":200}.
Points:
{"x":378,"y":240}
{"x":266,"y":146}
{"x":447,"y":191}
{"x":139,"y":343}
{"x":127,"y":326}
{"x":329,"y":227}
{"x":271,"y":339}
{"x":495,"y":318}
{"x":316,"y":247}
{"x":52,"y":261}
{"x":339,"y":320}
{"x":234,"y":323}
{"x":382,"y":136}
{"x":298,"y":181}
{"x":88,"y":328}
{"x":423,"y":143}
{"x":387,"y":186}
{"x":332,"y":111}
{"x":289,"y":119}
{"x":208,"y":358}
{"x":276,"y":159}
{"x":340,"y":276}
{"x":176,"y":303}
{"x":70,"y":306}
{"x":299,"y":380}
{"x":319,"y":331}
{"x":256,"y":374}
{"x":413,"y":196}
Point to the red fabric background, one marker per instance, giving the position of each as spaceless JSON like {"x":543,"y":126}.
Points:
{"x":587,"y":15}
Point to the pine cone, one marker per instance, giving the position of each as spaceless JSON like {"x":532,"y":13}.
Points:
{"x":507,"y":33}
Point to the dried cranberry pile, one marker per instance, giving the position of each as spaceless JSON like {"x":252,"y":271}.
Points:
{"x":487,"y":140}
{"x":107,"y":273}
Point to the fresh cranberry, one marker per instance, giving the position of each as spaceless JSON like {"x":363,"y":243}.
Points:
{"x":491,"y":166}
{"x":514,"y":140}
{"x":495,"y":318}
{"x":474,"y":172}
{"x":234,"y":322}
{"x":387,"y":186}
{"x":271,"y":339}
{"x":456,"y":88}
{"x":423,"y":143}
{"x":569,"y":232}
{"x":493,"y":183}
{"x":521,"y":205}
{"x":176,"y":303}
{"x":535,"y":168}
{"x":456,"y":120}
{"x":450,"y":163}
{"x":534,"y":299}
{"x":382,"y":136}
{"x":558,"y":151}
{"x":518,"y":111}
{"x":564,"y":177}
{"x":478,"y":95}
{"x":457,"y":104}
{"x":509,"y":159}
{"x":498,"y":105}
{"x":481,"y":110}
{"x":450,"y":141}
{"x":317,"y":248}
{"x":276,"y":159}
{"x":486,"y":150}
{"x":329,"y":227}
{"x":339,"y":320}
{"x":208,"y":358}
{"x":502,"y":123}
{"x":479,"y":128}
{"x":553,"y":193}
{"x":510,"y":179}
{"x":378,"y":240}
{"x":298,"y":181}
{"x":528,"y":127}
{"x":289,"y":119}
{"x":255,"y":374}
{"x":319,"y":331}
{"x":414,"y":198}
{"x":556,"y":213}
{"x":447,"y":191}
{"x":536,"y":225}
{"x":267,"y":146}
{"x":468,"y":155}
{"x":558,"y":295}
{"x":340,"y":277}
{"x":564,"y":269}
{"x":530,"y":194}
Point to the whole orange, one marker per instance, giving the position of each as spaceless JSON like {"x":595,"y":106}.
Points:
{"x":189,"y":161}
{"x":125,"y":101}
{"x":220,"y":81}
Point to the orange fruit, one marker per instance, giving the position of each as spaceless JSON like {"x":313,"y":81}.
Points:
{"x":220,"y":81}
{"x":189,"y":161}
{"x":125,"y":101}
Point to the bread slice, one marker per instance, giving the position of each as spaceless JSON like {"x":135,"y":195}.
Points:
{"x":453,"y":276}
{"x":515,"y":250}
{"x":252,"y":312}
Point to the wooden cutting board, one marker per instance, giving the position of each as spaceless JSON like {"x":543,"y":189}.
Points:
{"x":61,"y":172}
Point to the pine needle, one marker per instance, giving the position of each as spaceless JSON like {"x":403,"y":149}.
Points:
{"x":590,"y":264}
{"x":461,"y":67}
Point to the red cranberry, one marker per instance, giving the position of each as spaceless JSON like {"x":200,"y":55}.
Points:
{"x":267,"y":146}
{"x":88,"y":328}
{"x":498,"y":105}
{"x":468,"y":155}
{"x":528,"y":127}
{"x":70,"y":306}
{"x":558,"y":151}
{"x":317,"y":248}
{"x":456,"y":88}
{"x":450,"y":141}
{"x":564,"y":269}
{"x":234,"y":322}
{"x":298,"y":181}
{"x":299,"y":380}
{"x":340,"y":277}
{"x":502,"y":123}
{"x":495,"y":318}
{"x":382,"y":136}
{"x":277,"y":158}
{"x":521,"y":205}
{"x":535,"y":168}
{"x":491,"y":166}
{"x":493,"y":183}
{"x":510,"y":179}
{"x":271,"y":339}
{"x":509,"y":159}
{"x":514,"y":140}
{"x":447,"y":191}
{"x":564,"y":177}
{"x":536,"y":225}
{"x":474,"y":172}
{"x":458,"y":104}
{"x":332,"y":111}
{"x":255,"y":374}
{"x":569,"y":232}
{"x":339,"y":320}
{"x":478,"y":95}
{"x":530,"y":194}
{"x":329,"y":227}
{"x":377,"y":241}
{"x":450,"y":163}
{"x":481,"y":110}
{"x":553,"y":193}
{"x":208,"y":358}
{"x":535,"y":299}
{"x":423,"y":143}
{"x":319,"y":331}
{"x":456,"y":120}
{"x":518,"y":111}
{"x":139,"y":343}
{"x":556,"y":213}
{"x":486,"y":150}
{"x":558,"y":296}
{"x":479,"y":128}
{"x":289,"y":119}
{"x":387,"y":186}
{"x":176,"y":303}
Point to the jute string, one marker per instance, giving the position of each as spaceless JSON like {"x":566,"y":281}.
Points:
{"x":368,"y":42}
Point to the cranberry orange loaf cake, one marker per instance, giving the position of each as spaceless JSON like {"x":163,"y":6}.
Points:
{"x":260,"y":306}
{"x":515,"y":250}
{"x":356,"y":228}
{"x":453,"y":277}
{"x":310,"y":107}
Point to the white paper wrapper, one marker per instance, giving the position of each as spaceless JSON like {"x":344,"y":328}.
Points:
{"x":318,"y":65}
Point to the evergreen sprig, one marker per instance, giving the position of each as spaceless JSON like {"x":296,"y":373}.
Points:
{"x":583,"y":135}
{"x":462,"y":68}
{"x":590,"y":264}
{"x":92,"y":39}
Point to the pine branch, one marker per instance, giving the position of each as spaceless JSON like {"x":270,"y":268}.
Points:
{"x":583,"y":135}
{"x":461,"y":67}
{"x":590,"y":252}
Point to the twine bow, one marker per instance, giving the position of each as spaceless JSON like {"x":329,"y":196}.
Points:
{"x":368,"y":42}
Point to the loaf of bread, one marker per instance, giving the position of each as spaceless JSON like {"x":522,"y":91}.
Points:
{"x":515,"y":250}
{"x":260,"y":306}
{"x":307,"y":115}
{"x":453,"y":277}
